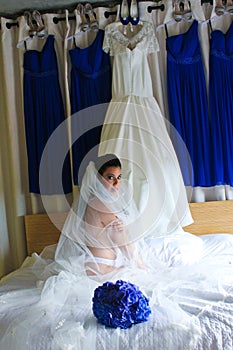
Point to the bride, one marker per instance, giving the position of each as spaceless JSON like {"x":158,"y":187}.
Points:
{"x":47,"y":303}
{"x":105,"y":228}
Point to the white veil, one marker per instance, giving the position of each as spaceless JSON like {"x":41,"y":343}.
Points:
{"x":80,"y":237}
{"x":85,"y":245}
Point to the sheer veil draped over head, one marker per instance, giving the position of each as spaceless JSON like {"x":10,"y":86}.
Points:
{"x":93,"y":224}
{"x":104,"y":227}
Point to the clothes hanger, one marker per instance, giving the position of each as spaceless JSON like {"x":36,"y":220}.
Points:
{"x":182,"y":12}
{"x":36,"y":27}
{"x":221,"y":9}
{"x":88,"y":17}
{"x":88,"y":20}
{"x":36,"y":24}
{"x":219,"y":20}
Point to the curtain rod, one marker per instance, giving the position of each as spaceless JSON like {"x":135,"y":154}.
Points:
{"x":106,"y":14}
{"x":69,"y":6}
{"x":109,"y":13}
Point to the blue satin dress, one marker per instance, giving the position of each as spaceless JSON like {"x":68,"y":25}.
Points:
{"x":221,"y":104}
{"x":188,"y":106}
{"x":91,"y":77}
{"x":44,"y":112}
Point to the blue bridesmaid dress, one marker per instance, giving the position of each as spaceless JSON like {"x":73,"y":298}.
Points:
{"x":188,"y":106}
{"x":90,"y":86}
{"x":44,"y":112}
{"x":221,"y":104}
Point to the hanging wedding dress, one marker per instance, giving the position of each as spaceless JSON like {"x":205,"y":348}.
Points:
{"x":135,"y":130}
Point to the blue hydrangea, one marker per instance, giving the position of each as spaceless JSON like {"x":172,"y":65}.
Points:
{"x":120,"y":304}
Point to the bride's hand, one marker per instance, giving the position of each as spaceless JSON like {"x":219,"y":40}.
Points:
{"x":117,"y":225}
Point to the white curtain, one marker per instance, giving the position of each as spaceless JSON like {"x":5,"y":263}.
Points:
{"x":15,"y":199}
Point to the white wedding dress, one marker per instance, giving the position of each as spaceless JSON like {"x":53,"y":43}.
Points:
{"x":135,"y":130}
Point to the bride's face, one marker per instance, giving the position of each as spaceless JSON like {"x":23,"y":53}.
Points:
{"x":112,"y":176}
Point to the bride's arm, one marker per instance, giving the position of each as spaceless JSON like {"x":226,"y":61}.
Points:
{"x":109,"y":232}
{"x":120,"y":238}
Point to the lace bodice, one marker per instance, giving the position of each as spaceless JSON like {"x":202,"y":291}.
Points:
{"x":116,"y":42}
{"x":131,"y":74}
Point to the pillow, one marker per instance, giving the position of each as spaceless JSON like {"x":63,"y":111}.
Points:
{"x":217,"y":244}
{"x":178,"y":248}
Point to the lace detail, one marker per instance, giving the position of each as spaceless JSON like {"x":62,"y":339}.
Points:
{"x":221,"y":54}
{"x":185,"y":60}
{"x":115,"y":42}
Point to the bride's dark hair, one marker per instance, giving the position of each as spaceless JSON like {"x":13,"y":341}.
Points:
{"x":106,"y":161}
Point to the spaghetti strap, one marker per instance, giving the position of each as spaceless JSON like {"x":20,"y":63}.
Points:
{"x":165,"y":25}
{"x":210,"y":24}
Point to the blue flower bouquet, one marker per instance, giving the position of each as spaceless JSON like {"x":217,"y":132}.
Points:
{"x":120,"y":304}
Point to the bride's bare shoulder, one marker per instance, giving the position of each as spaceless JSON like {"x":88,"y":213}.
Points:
{"x":96,"y":205}
{"x":98,"y":213}
{"x":95,"y":209}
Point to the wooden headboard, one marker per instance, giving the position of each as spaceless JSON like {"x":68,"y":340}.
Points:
{"x":209,"y":217}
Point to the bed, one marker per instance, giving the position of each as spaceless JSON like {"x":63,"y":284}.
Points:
{"x":210,"y":306}
{"x":209,"y":218}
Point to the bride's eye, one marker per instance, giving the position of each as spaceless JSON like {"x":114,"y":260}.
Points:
{"x":112,"y":177}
